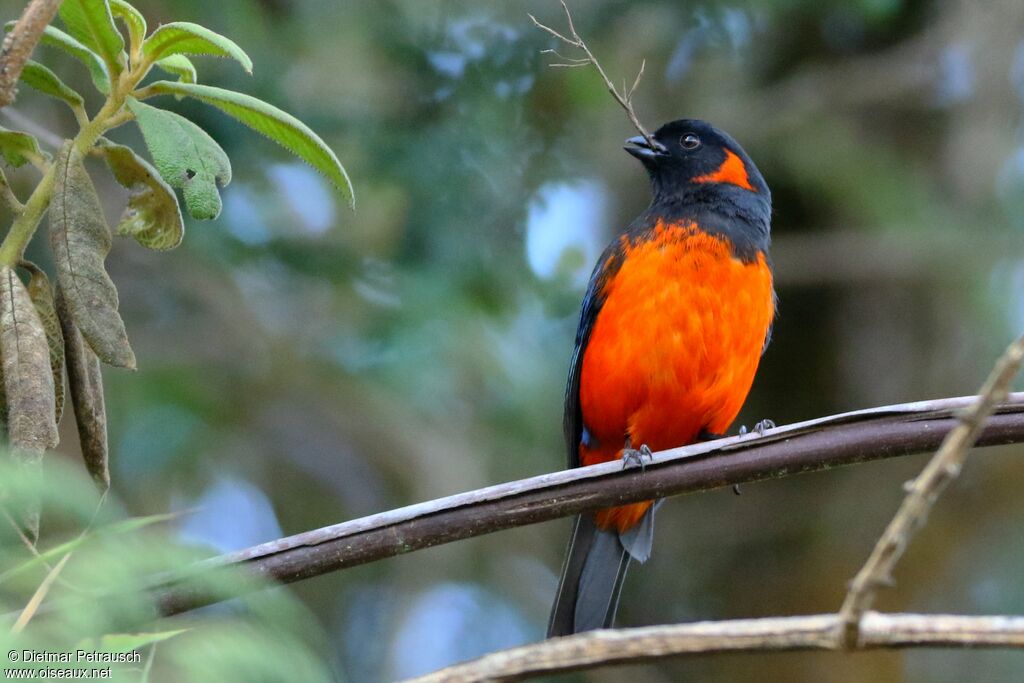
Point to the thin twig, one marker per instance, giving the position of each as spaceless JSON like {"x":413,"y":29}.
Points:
{"x":19,"y":43}
{"x":25,"y":540}
{"x":803,"y":447}
{"x":148,"y":666}
{"x":40,"y":595}
{"x":39,"y":557}
{"x":922,"y":493}
{"x":625,"y":98}
{"x":774,"y":634}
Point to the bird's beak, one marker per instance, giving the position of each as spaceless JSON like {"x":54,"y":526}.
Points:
{"x":641,"y":149}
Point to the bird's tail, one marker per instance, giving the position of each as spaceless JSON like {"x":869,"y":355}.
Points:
{"x":588,"y":592}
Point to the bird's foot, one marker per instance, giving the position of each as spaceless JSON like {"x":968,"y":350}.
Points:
{"x":633,"y":457}
{"x":760,"y":428}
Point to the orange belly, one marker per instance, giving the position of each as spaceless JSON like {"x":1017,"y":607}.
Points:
{"x":674,"y":348}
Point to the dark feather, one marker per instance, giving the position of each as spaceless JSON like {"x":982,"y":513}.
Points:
{"x":572,"y":419}
{"x":588,"y":591}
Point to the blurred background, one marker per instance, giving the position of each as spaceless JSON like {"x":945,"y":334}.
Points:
{"x":301,"y":365}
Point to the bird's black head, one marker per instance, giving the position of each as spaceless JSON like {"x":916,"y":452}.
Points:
{"x":692,"y":161}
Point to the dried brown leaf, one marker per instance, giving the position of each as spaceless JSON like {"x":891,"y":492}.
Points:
{"x":85,"y":383}
{"x":81,"y":240}
{"x":41,"y":292}
{"x":28,"y":384}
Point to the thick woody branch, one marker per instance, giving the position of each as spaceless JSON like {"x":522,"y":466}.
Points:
{"x":816,"y":632}
{"x":922,"y":493}
{"x":802,"y":447}
{"x":852,"y":628}
{"x":19,"y":43}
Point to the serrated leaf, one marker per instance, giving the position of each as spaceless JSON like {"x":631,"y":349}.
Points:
{"x":37,"y":76}
{"x":91,"y":23}
{"x":132,"y":18}
{"x":152,"y":216}
{"x":126,"y":642}
{"x":41,"y":293}
{"x":15,"y":145}
{"x":85,"y":383}
{"x":179,"y":65}
{"x":54,"y":37}
{"x":185,"y":38}
{"x":28,"y":385}
{"x":80,"y":241}
{"x":186,"y":157}
{"x":278,"y":125}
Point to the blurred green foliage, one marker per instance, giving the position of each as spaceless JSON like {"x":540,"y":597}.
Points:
{"x":300,"y":365}
{"x":92,"y":571}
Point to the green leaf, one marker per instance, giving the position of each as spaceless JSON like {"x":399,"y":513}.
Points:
{"x":186,"y":157}
{"x":179,"y":65}
{"x":132,"y":18}
{"x":80,"y":241}
{"x":41,"y":293}
{"x":152,"y":216}
{"x":91,"y":23}
{"x":279,"y":126}
{"x":85,"y":382}
{"x":54,"y":37}
{"x":16,"y":147}
{"x":37,"y":76}
{"x":184,"y":38}
{"x":126,"y":642}
{"x":28,"y":385}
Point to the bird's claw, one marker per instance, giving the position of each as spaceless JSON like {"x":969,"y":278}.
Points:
{"x":760,"y":428}
{"x":632,"y":457}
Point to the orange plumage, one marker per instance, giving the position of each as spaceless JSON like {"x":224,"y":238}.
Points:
{"x":675,"y":348}
{"x":732,"y":171}
{"x":671,"y":331}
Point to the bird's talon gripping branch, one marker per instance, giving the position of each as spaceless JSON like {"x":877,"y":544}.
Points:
{"x":633,"y":457}
{"x":759,"y":428}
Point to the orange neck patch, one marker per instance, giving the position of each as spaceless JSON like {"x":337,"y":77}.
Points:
{"x":732,"y":170}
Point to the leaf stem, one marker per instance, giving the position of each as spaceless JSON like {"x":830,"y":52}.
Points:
{"x":112,"y":114}
{"x":81,"y":116}
{"x":145,"y":93}
{"x":8,"y":197}
{"x":24,"y":225}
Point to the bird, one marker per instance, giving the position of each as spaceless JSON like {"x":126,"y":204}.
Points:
{"x":677,"y":314}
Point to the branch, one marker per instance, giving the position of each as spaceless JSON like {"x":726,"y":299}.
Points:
{"x":810,"y":446}
{"x":852,"y":628}
{"x":817,"y":632}
{"x":922,"y":493}
{"x":625,"y":98}
{"x":19,"y":43}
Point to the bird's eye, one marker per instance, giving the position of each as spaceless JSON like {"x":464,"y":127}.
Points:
{"x":689,"y":141}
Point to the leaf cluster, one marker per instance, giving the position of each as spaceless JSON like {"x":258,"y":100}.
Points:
{"x":72,"y":324}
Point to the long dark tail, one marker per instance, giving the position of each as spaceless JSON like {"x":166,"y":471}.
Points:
{"x":588,"y":592}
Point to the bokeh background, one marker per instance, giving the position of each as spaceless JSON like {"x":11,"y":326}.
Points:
{"x":300,"y":364}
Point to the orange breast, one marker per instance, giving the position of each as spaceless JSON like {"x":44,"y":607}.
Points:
{"x":674,"y":348}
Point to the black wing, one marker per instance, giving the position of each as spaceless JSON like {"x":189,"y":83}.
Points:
{"x":572,"y":419}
